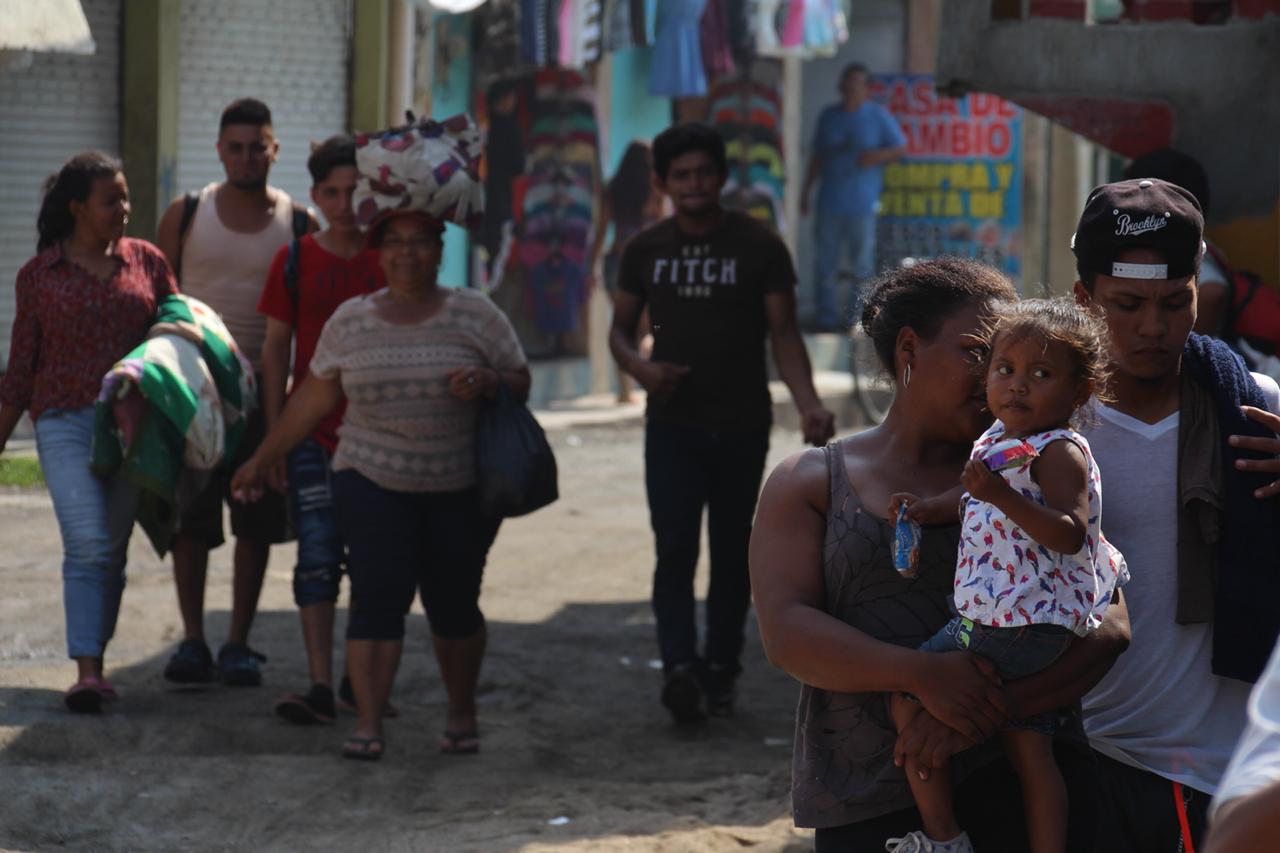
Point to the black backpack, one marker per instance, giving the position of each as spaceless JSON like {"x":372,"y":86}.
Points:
{"x":301,"y":225}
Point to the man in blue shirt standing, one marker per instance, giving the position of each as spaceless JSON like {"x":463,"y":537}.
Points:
{"x":854,"y":141}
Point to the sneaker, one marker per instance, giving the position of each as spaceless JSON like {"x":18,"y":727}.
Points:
{"x":316,"y":706}
{"x":191,"y":663}
{"x":240,"y":665}
{"x":918,"y":842}
{"x":720,"y":685}
{"x":682,"y":693}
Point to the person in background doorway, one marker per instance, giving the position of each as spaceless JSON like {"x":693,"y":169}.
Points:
{"x":717,"y":283}
{"x":330,"y":267}
{"x":854,"y":140}
{"x":630,"y":205}
{"x":222,"y":257}
{"x":83,"y":302}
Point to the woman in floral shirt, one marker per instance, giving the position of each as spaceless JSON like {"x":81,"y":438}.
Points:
{"x":84,"y":301}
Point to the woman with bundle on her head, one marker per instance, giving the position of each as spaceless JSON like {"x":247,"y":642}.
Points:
{"x":83,"y":302}
{"x":414,"y":360}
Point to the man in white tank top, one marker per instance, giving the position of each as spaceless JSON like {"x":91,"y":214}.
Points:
{"x":1164,"y":720}
{"x":221,"y":249}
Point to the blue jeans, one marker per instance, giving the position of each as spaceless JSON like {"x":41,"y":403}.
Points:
{"x":322,"y":553}
{"x":95,"y":517}
{"x":687,"y":468}
{"x":1016,"y":652}
{"x":835,"y":237}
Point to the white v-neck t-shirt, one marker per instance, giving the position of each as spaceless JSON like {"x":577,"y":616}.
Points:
{"x":1160,"y":708}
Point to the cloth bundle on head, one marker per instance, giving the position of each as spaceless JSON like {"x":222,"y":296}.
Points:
{"x":430,"y":167}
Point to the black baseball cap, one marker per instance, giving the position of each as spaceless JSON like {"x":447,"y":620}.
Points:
{"x":1140,"y":214}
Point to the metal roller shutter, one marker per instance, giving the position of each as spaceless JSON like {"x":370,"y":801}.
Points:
{"x":54,"y":108}
{"x":291,"y":54}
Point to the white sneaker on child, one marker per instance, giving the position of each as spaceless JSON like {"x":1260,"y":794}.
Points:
{"x":918,"y":842}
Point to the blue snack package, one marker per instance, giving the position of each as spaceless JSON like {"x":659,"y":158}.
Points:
{"x":906,"y":544}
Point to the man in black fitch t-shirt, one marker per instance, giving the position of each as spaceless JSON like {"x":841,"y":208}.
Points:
{"x":716,"y":283}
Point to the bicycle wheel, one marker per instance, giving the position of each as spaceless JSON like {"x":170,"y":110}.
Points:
{"x":871,"y":389}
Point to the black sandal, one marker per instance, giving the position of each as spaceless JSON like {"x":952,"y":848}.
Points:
{"x":460,"y":743}
{"x":363,"y":748}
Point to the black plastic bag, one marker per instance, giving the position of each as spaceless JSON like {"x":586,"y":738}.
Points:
{"x":517,"y":470}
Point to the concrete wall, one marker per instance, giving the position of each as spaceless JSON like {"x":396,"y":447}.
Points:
{"x":1221,"y":82}
{"x":450,"y":95}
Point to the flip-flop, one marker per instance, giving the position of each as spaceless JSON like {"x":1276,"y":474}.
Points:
{"x":295,"y":708}
{"x":363,"y":748}
{"x":85,"y":696}
{"x":460,"y":743}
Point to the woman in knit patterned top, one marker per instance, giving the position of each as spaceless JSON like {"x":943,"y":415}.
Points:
{"x":414,"y":361}
{"x":84,"y":301}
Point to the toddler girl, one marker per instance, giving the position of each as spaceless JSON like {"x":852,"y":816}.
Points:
{"x":1034,"y":570}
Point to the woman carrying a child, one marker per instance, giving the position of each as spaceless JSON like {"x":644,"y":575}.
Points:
{"x":837,"y":615}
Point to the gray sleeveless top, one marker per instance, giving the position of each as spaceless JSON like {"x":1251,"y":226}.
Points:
{"x":842,"y":765}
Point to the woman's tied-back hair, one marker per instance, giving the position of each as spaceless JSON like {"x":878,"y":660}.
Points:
{"x":1061,"y":320}
{"x":924,"y":296}
{"x":632,"y":184}
{"x":73,"y":182}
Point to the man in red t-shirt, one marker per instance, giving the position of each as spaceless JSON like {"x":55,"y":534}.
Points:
{"x":327,"y":268}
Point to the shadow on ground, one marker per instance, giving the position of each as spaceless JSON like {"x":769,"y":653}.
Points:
{"x":570,"y":725}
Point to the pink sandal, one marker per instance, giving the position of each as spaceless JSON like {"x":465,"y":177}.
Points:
{"x":85,"y":696}
{"x":108,"y":690}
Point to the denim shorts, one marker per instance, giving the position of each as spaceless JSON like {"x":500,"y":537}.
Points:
{"x":1016,"y":652}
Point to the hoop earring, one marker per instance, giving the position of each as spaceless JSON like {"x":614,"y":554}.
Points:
{"x":906,"y":376}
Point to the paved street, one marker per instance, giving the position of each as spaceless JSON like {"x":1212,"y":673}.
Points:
{"x":577,"y":753}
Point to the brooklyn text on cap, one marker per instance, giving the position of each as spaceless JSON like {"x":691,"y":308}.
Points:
{"x":1140,"y":214}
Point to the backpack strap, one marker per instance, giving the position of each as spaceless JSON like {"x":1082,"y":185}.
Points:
{"x":301,"y":225}
{"x":291,"y":274}
{"x":301,"y":220}
{"x":190,"y":201}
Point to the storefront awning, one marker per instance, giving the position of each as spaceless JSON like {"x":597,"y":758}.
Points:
{"x":44,"y":26}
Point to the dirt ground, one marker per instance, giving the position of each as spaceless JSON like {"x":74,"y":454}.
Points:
{"x":577,"y":754}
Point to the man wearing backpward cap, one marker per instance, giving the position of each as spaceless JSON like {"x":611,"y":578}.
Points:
{"x":1191,"y":485}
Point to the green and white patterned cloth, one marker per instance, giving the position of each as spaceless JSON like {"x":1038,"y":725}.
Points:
{"x":173,"y":410}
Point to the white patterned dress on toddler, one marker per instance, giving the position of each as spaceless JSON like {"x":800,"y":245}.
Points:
{"x":1006,"y":579}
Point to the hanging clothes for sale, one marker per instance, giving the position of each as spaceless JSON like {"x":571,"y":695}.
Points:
{"x":498,"y":37}
{"x":676,"y":66}
{"x":579,"y":33}
{"x":805,"y":29}
{"x":717,"y":53}
{"x":746,"y":109}
{"x":562,"y":170}
{"x":540,"y":31}
{"x":624,"y":24}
